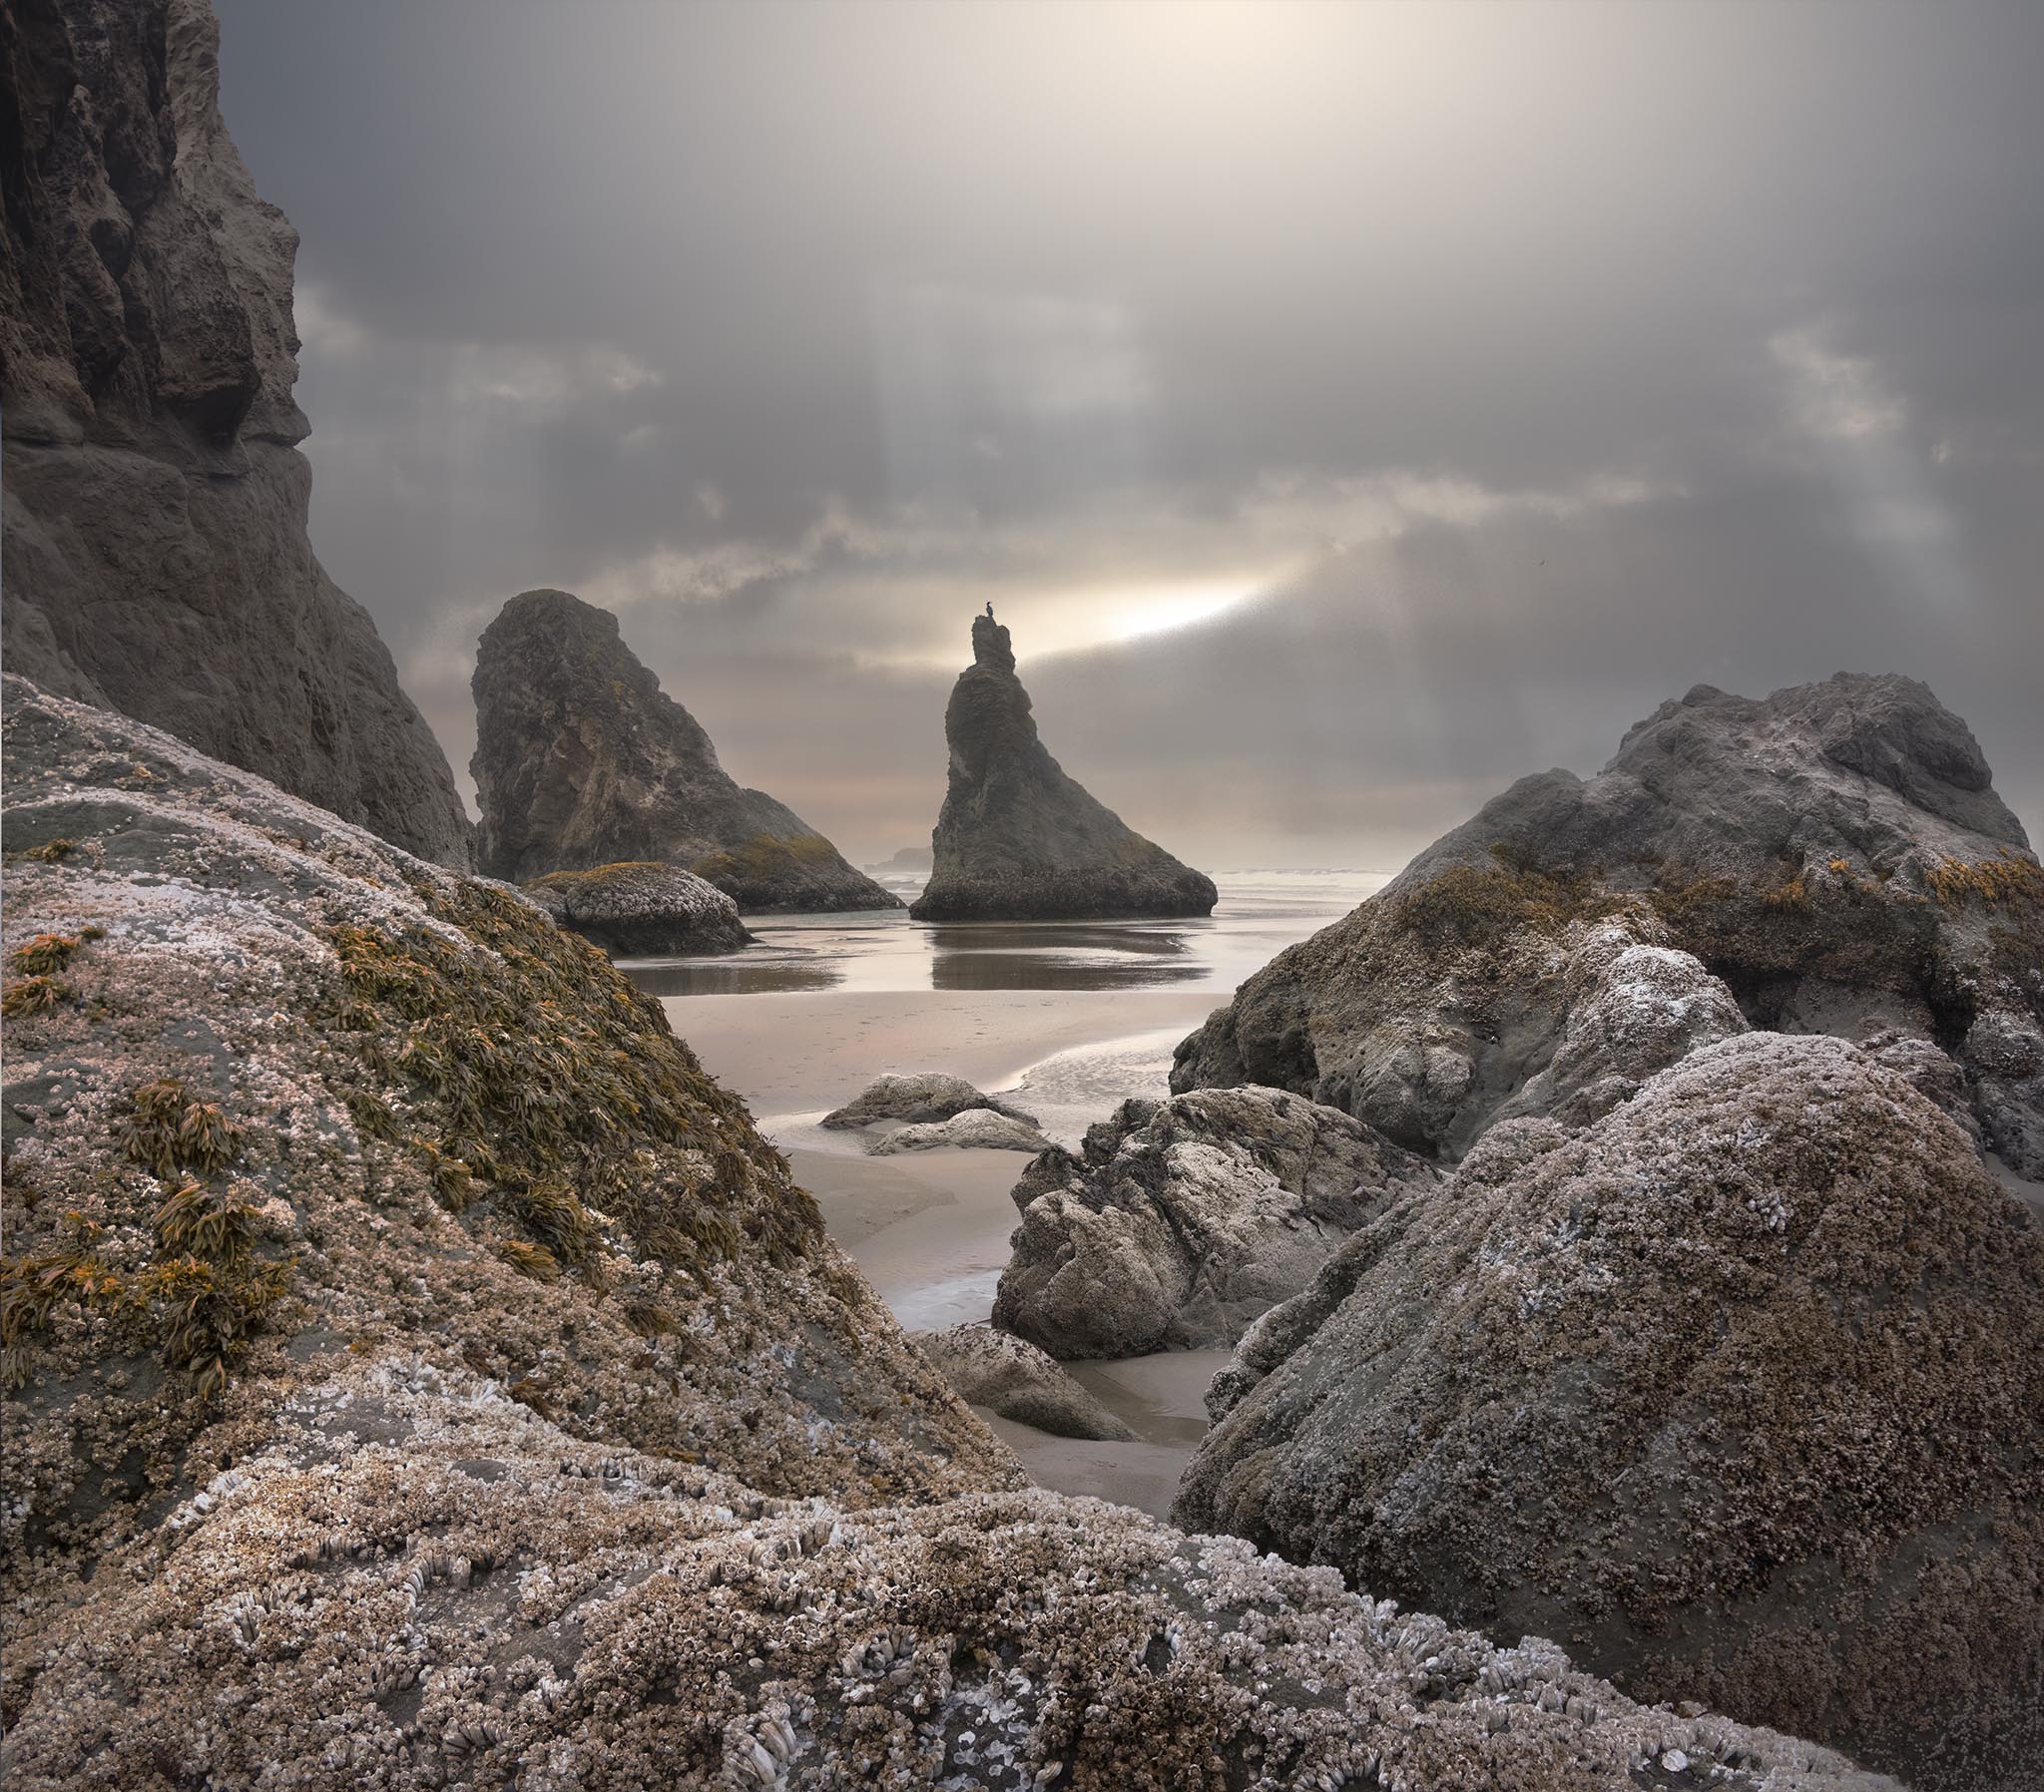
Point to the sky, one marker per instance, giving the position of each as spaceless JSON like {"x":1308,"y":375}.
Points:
{"x":1349,"y":408}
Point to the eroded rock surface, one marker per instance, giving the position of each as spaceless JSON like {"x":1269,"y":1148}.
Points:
{"x":640,"y":911}
{"x":1738,"y":1392}
{"x":1010,"y":1376}
{"x":155,"y":557}
{"x":1017,"y":840}
{"x":918,"y":1098}
{"x":1833,"y":854}
{"x":1180,"y":1221}
{"x":582,"y":760}
{"x":406,"y":1579}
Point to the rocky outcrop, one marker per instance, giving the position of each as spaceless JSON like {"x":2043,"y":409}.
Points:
{"x":976,"y":1129}
{"x":281,"y":1098}
{"x":1019,"y":840}
{"x":155,"y":557}
{"x":1736,"y":1391}
{"x":642,"y":911}
{"x":407,"y":1580}
{"x":1181,"y":1221}
{"x":417,"y":1370}
{"x":919,"y":1099}
{"x":582,"y":760}
{"x":1002,"y":1373}
{"x":1833,"y":856}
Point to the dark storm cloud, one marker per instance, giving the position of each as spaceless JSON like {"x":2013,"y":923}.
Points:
{"x":1523,"y":365}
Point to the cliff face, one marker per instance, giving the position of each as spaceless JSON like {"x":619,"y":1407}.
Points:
{"x":156,"y":558}
{"x":582,"y":760}
{"x":1833,"y":854}
{"x":1019,"y":840}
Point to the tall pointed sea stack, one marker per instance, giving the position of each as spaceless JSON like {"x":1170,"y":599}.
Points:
{"x":582,"y":760}
{"x":155,"y":557}
{"x":1017,"y":840}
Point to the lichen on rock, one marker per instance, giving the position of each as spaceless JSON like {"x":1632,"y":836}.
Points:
{"x":1736,"y":1391}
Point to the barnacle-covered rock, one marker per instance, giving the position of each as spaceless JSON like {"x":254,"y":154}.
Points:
{"x":1180,"y":1221}
{"x":1738,"y":1393}
{"x":409,"y":1579}
{"x":300,"y":1096}
{"x":642,"y":910}
{"x":1833,"y":856}
{"x":1010,"y":1376}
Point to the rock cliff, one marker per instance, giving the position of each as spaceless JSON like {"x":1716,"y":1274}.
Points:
{"x":155,"y":557}
{"x":418,"y":1372}
{"x":1019,"y":840}
{"x":1834,"y":857}
{"x":582,"y":760}
{"x":1736,"y":1391}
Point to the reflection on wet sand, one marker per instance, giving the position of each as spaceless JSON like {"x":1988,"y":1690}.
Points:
{"x":739,"y":975}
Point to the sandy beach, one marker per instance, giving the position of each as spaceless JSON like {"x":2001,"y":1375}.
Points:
{"x":1064,"y":1021}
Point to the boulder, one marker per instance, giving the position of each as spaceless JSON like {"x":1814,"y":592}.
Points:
{"x":1011,"y":1377}
{"x":976,"y":1129}
{"x":1833,"y":856}
{"x":1019,"y":840}
{"x":279,"y":1097}
{"x":1180,"y":1221}
{"x":582,"y":760}
{"x":924,"y":1097}
{"x":642,"y":911}
{"x":155,"y":557}
{"x":1736,"y":1391}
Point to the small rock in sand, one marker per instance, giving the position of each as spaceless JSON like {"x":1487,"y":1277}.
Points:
{"x":929,"y":1096}
{"x":976,"y":1129}
{"x":1011,"y":1377}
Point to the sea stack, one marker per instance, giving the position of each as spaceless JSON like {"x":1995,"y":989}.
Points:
{"x":582,"y":760}
{"x":1018,"y":840}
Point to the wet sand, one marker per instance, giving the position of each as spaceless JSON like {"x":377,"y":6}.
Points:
{"x":793,"y":1054}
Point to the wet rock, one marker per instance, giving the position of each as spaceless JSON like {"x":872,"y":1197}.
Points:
{"x":924,"y":1097}
{"x":582,"y":760}
{"x":1181,"y":1221}
{"x":1738,"y":1392}
{"x":1017,"y":840}
{"x":997,"y":1370}
{"x":642,"y":911}
{"x":154,"y":557}
{"x":1833,"y":856}
{"x":975,"y":1130}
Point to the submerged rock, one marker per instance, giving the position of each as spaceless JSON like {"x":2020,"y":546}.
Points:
{"x":581,"y":760}
{"x":1833,"y":856}
{"x":154,"y":557}
{"x":924,"y":1097}
{"x":1736,"y":1391}
{"x":1019,"y":840}
{"x":1009,"y":1376}
{"x":406,"y":1579}
{"x":641,"y":911}
{"x":1181,"y":1221}
{"x":975,"y":1130}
